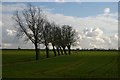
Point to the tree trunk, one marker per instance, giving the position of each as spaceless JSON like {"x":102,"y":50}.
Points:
{"x":47,"y":52}
{"x":64,"y":50}
{"x":61,"y":50}
{"x":36,"y":51}
{"x":69,"y":50}
{"x":58,"y":51}
{"x":54,"y":50}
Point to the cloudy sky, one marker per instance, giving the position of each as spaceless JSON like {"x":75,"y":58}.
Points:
{"x":96,"y":22}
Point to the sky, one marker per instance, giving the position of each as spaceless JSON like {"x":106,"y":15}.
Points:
{"x":95,"y":22}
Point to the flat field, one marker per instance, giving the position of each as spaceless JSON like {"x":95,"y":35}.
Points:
{"x":80,"y":64}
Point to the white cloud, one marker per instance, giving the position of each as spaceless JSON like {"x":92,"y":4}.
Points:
{"x":12,"y":7}
{"x":77,"y":0}
{"x":11,"y":32}
{"x":93,"y":32}
{"x":107,"y":10}
{"x":1,"y":24}
{"x":108,"y":23}
{"x":98,"y":41}
{"x":6,"y":45}
{"x":59,"y":0}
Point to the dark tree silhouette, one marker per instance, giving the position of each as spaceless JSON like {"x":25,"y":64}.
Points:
{"x":69,"y":37}
{"x":46,"y":38}
{"x":61,"y":50}
{"x":30,"y":22}
{"x":53,"y":37}
{"x":63,"y":39}
{"x":58,"y":39}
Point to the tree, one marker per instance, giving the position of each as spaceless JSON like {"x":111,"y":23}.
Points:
{"x":70,"y":37}
{"x":53,"y":37}
{"x":46,"y":37}
{"x":58,"y":38}
{"x":30,"y":22}
{"x":63,"y":39}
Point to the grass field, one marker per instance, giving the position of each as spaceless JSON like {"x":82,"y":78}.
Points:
{"x":80,"y":64}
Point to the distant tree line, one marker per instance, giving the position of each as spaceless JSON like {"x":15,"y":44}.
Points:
{"x":33,"y":25}
{"x":94,"y":49}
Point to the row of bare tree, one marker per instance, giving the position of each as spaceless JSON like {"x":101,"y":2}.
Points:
{"x":32,"y":23}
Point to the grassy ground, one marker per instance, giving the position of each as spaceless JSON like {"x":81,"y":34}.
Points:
{"x":80,"y":64}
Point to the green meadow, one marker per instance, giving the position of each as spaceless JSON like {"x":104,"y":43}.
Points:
{"x":80,"y":64}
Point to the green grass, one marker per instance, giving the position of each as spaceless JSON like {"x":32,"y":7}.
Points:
{"x":80,"y":64}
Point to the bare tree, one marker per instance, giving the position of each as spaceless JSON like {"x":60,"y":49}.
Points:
{"x":63,"y":38}
{"x":70,"y":37}
{"x":58,"y":39}
{"x":30,"y":22}
{"x":53,"y":37}
{"x":46,"y":37}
